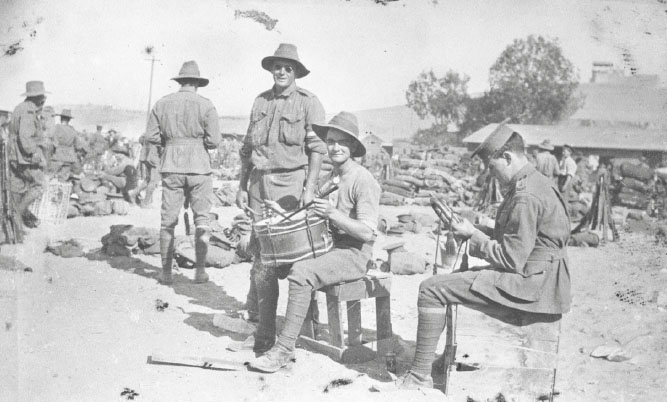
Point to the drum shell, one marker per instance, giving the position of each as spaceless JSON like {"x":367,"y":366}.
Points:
{"x":289,"y":241}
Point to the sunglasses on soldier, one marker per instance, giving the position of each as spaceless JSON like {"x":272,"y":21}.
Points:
{"x":279,"y":66}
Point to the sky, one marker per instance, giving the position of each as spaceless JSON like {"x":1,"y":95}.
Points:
{"x":362,"y":55}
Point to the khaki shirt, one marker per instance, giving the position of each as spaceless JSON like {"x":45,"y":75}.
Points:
{"x":98,"y":144}
{"x":150,"y":153}
{"x":187,"y":125}
{"x":547,"y":164}
{"x":277,"y":136}
{"x":527,"y":250}
{"x":26,"y":135}
{"x":67,"y":142}
{"x":358,"y":194}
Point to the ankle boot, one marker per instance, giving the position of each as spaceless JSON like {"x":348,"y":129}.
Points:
{"x":167,"y":255}
{"x":201,"y":249}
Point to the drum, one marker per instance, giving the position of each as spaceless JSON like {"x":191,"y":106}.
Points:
{"x":299,"y":238}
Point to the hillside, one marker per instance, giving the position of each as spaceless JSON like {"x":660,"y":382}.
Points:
{"x":388,"y":123}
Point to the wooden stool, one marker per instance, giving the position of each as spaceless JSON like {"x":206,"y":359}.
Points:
{"x":371,"y":286}
{"x":507,"y":351}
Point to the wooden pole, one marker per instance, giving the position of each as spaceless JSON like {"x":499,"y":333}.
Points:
{"x":150,"y":88}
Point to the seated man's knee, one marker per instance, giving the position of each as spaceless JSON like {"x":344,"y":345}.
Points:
{"x":427,"y":292}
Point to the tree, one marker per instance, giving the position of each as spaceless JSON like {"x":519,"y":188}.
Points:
{"x":444,"y":98}
{"x":533,"y":83}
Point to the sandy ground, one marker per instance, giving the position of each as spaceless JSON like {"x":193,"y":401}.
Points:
{"x":81,"y":329}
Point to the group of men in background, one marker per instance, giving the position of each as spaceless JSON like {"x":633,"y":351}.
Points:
{"x":563,"y":172}
{"x":36,"y":148}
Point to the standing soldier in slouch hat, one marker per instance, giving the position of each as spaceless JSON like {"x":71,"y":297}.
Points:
{"x":67,"y":143}
{"x":280,"y":161}
{"x":545,"y":162}
{"x":97,"y":145}
{"x":187,"y":125}
{"x":26,"y":160}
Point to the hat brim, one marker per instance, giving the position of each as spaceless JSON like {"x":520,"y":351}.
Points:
{"x":64,"y":115}
{"x":545,"y":148}
{"x":301,"y":70}
{"x":202,"y":81}
{"x":29,"y":94}
{"x":322,"y":129}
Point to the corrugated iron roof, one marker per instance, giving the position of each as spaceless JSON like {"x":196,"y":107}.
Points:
{"x":583,"y":137}
{"x":632,"y":100}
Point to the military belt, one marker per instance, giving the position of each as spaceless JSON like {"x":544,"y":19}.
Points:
{"x":547,"y":254}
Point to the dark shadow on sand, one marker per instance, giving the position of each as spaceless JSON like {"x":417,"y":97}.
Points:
{"x":206,"y":294}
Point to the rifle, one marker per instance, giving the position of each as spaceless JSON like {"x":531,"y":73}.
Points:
{"x":9,"y":221}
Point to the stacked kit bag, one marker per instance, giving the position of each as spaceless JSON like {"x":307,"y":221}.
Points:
{"x":447,"y":173}
{"x":91,"y":198}
{"x":125,"y":240}
{"x":659,"y":206}
{"x":633,"y":183}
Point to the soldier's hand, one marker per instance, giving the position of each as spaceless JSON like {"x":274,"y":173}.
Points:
{"x":463,"y":229}
{"x":242,"y":199}
{"x":307,"y":196}
{"x":322,"y":207}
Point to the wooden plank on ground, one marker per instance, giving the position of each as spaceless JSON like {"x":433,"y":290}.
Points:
{"x":211,"y":363}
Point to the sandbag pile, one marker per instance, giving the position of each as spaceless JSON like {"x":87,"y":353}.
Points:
{"x":90,"y":198}
{"x":633,"y":183}
{"x":125,"y":240}
{"x":448,"y":173}
{"x":658,"y":208}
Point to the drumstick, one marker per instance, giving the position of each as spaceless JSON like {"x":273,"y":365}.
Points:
{"x":252,"y":211}
{"x":276,"y":210}
{"x":326,"y":193}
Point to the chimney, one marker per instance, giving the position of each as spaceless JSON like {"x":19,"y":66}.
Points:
{"x":601,"y":71}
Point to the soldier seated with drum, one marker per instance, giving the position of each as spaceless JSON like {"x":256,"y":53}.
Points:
{"x":526,"y":251}
{"x":352,"y":212}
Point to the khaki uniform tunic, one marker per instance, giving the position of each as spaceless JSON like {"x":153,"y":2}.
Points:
{"x":527,"y":248}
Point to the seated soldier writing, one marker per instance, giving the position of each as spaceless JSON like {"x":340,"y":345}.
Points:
{"x":352,"y":211}
{"x":526,"y":251}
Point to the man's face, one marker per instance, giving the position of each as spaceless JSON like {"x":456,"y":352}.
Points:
{"x":283,"y":73}
{"x":499,"y":167}
{"x":339,"y":146}
{"x":40,"y":100}
{"x":566,"y":152}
